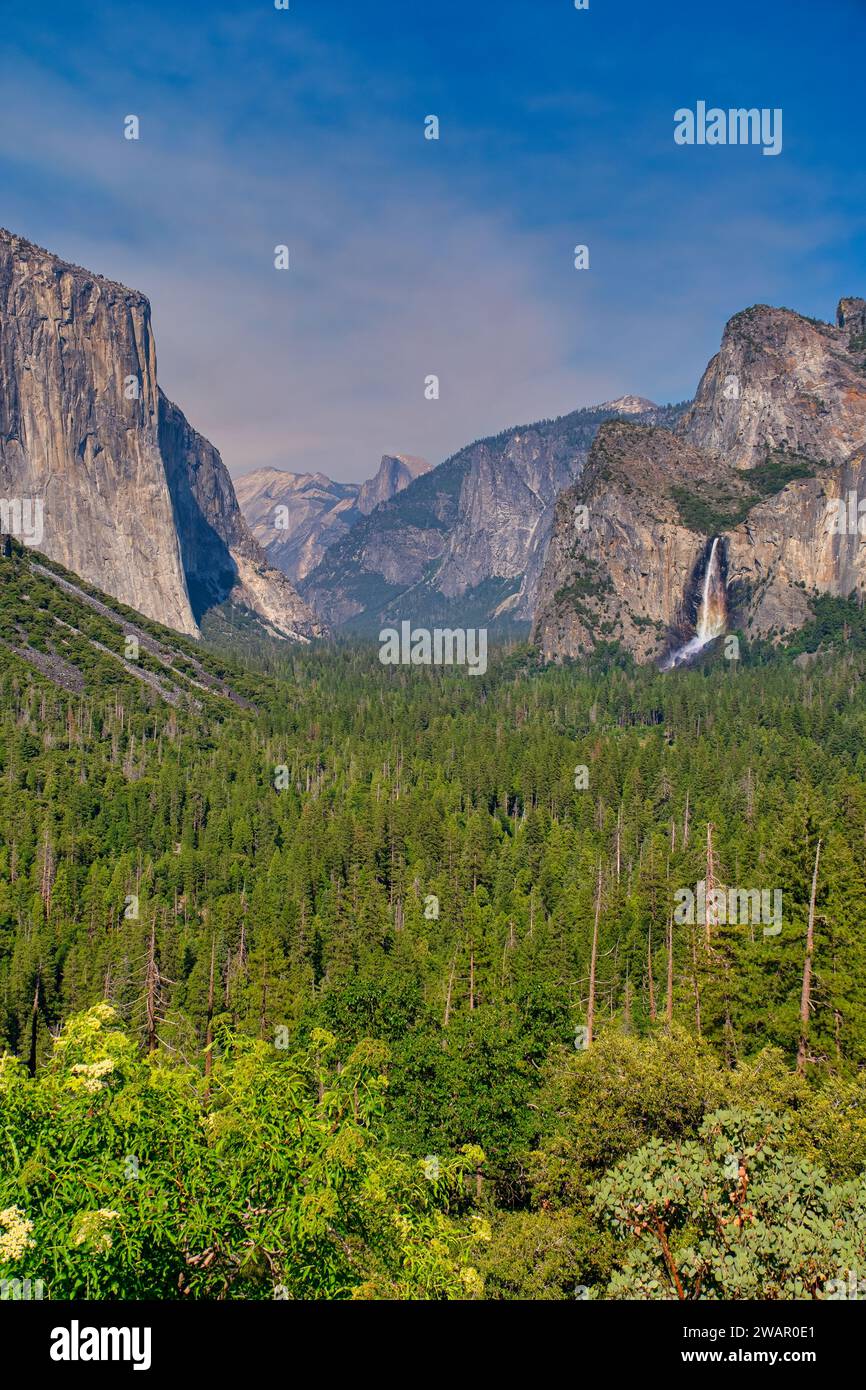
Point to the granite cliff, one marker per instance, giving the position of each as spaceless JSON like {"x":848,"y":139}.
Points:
{"x":395,"y":472}
{"x":130,"y":497}
{"x":773,"y":441}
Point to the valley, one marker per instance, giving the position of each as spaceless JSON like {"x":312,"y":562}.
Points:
{"x":331,"y":970}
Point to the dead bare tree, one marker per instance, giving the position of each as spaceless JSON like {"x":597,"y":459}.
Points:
{"x":590,"y":1013}
{"x":806,"y":993}
{"x":208,"y":1035}
{"x":669,"y":1002}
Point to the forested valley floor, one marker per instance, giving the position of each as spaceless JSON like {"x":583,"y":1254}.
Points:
{"x":325,"y":980}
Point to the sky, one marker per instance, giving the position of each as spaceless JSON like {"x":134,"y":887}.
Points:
{"x":411,"y":257}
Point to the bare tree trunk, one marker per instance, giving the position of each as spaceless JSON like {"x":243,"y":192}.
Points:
{"x":447,"y":1017}
{"x":669,"y":1002}
{"x":208,"y":1035}
{"x":34,"y":1026}
{"x":697,"y":987}
{"x":649,"y":966}
{"x":590,"y":1013}
{"x":151,"y":989}
{"x":806,"y":995}
{"x":711,"y":916}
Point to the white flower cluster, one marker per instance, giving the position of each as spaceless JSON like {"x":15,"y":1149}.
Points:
{"x":14,"y":1233}
{"x":90,"y":1074}
{"x":91,"y":1228}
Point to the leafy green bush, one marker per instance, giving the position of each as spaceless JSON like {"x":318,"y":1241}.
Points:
{"x":731,"y":1215}
{"x":124,"y":1177}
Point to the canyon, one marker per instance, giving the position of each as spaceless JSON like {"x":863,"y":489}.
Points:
{"x":465,"y":543}
{"x":654,"y":527}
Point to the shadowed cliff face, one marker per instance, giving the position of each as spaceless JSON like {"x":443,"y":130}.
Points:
{"x":135,"y":501}
{"x":221,"y":558}
{"x":774,"y":438}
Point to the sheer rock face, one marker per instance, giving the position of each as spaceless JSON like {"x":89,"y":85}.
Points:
{"x":792,"y":546}
{"x":784,"y":395}
{"x":851,"y":318}
{"x":135,"y":501}
{"x":466,"y":541}
{"x":781,"y":381}
{"x":222,"y":559}
{"x":620,"y":562}
{"x":69,"y":436}
{"x":504,"y":511}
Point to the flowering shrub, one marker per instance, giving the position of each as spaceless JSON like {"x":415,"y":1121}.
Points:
{"x":128,"y":1177}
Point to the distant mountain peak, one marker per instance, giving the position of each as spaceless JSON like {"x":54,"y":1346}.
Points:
{"x":396,"y":471}
{"x":629,"y":405}
{"x":413,"y":463}
{"x":295,"y":517}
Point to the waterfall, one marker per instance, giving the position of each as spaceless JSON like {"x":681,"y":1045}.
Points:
{"x":712,"y":613}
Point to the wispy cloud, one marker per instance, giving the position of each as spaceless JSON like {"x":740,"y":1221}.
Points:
{"x":408,"y":257}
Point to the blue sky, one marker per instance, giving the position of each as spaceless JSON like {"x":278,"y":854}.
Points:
{"x":411,"y":257}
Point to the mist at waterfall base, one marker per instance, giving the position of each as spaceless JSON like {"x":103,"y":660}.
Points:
{"x":712,"y":614}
